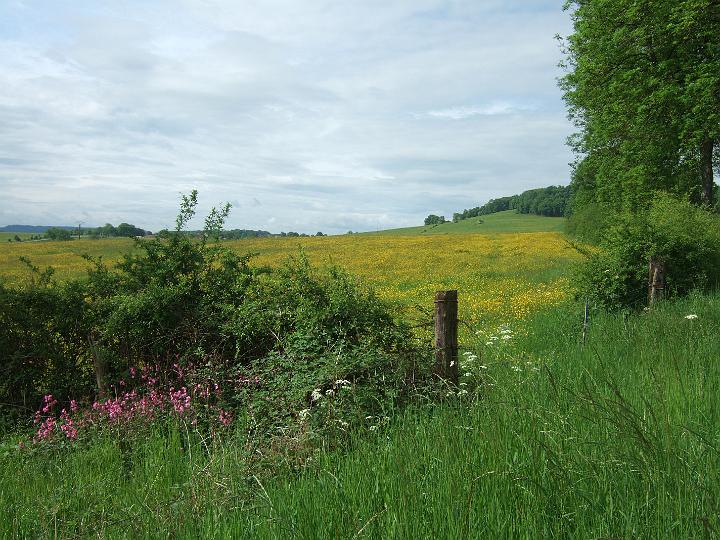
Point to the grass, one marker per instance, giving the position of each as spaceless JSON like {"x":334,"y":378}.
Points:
{"x":499,"y":275}
{"x":547,"y":437}
{"x":5,"y":236}
{"x":500,"y":222}
{"x":617,"y":438}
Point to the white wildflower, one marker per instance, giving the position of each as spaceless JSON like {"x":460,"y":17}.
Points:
{"x":483,"y":367}
{"x":506,"y":336}
{"x":516,"y":368}
{"x":489,"y":343}
{"x":342,"y":382}
{"x":691,"y":317}
{"x":304,"y":415}
{"x":330,"y":392}
{"x":373,"y":428}
{"x":316,"y":395}
{"x":462,"y":392}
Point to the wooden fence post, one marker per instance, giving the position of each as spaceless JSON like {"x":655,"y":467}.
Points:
{"x":656,"y":281}
{"x":446,"y":336}
{"x":101,"y":369}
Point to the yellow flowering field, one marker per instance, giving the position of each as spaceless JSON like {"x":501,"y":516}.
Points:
{"x":502,"y":276}
{"x":499,"y":277}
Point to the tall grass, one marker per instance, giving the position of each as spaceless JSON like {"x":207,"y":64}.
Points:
{"x":615,"y":438}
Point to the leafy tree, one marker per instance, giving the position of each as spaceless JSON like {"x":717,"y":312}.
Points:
{"x":432,"y":219}
{"x":56,"y":233}
{"x":642,"y":87}
{"x":549,"y":201}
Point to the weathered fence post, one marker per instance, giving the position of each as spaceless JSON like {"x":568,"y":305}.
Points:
{"x":101,"y":369}
{"x":656,"y":281}
{"x":446,"y":335}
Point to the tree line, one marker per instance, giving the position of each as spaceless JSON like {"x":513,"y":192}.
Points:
{"x":549,"y":201}
{"x":643,"y":88}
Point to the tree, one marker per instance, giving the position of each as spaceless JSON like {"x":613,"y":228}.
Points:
{"x":432,"y":219}
{"x":643,"y":89}
{"x":56,"y":233}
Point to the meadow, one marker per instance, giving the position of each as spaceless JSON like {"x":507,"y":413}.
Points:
{"x":546,"y":435}
{"x":502,"y":273}
{"x":5,"y":236}
{"x":616,"y":438}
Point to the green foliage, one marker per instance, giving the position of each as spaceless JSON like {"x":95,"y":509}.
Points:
{"x":642,"y":89}
{"x":178,"y":299}
{"x":552,"y":201}
{"x":684,"y":236}
{"x":56,"y":233}
{"x":588,"y":223}
{"x":612,"y":439}
{"x":236,"y":234}
{"x":432,"y":219}
{"x":124,"y":230}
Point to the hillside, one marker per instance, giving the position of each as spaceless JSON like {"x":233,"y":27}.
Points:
{"x":36,"y":229}
{"x":508,"y":221}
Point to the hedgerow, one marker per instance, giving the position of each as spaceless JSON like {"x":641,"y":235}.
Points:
{"x":267,"y":341}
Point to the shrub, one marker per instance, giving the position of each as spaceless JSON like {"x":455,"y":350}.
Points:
{"x":588,"y":223}
{"x":686,"y":237}
{"x":182,"y":301}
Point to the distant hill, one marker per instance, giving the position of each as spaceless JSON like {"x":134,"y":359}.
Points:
{"x":34,"y":228}
{"x":509,"y":221}
{"x":551,"y":201}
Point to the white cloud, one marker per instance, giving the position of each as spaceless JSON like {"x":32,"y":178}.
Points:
{"x":460,"y":113}
{"x":334,"y":114}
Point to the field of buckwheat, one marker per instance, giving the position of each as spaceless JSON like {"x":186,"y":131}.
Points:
{"x":500,"y":277}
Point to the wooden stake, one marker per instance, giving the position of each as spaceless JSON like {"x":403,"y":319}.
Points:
{"x":101,"y":369}
{"x":446,"y":336}
{"x":656,"y":281}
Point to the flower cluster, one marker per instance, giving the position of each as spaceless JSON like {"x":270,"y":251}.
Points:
{"x":145,"y":402}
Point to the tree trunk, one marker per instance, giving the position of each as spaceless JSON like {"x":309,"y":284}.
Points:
{"x":706,"y":171}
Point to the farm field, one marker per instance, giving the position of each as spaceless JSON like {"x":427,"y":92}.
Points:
{"x":5,"y":236}
{"x":503,"y":275}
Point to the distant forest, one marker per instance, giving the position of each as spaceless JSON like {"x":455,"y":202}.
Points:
{"x":550,"y":201}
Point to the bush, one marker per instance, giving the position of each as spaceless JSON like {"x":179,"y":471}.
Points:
{"x":588,"y":223}
{"x":56,"y":233}
{"x":684,"y":236}
{"x":181,"y":301}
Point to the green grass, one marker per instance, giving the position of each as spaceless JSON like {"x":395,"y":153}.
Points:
{"x":4,"y":236}
{"x":617,"y":438}
{"x":500,"y":222}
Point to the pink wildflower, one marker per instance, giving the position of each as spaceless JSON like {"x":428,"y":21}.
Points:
{"x":225,"y":418}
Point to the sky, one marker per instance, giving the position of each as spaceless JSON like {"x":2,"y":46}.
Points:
{"x":305,"y":115}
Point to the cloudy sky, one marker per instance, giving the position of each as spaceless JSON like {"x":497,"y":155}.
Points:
{"x":306,"y":115}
